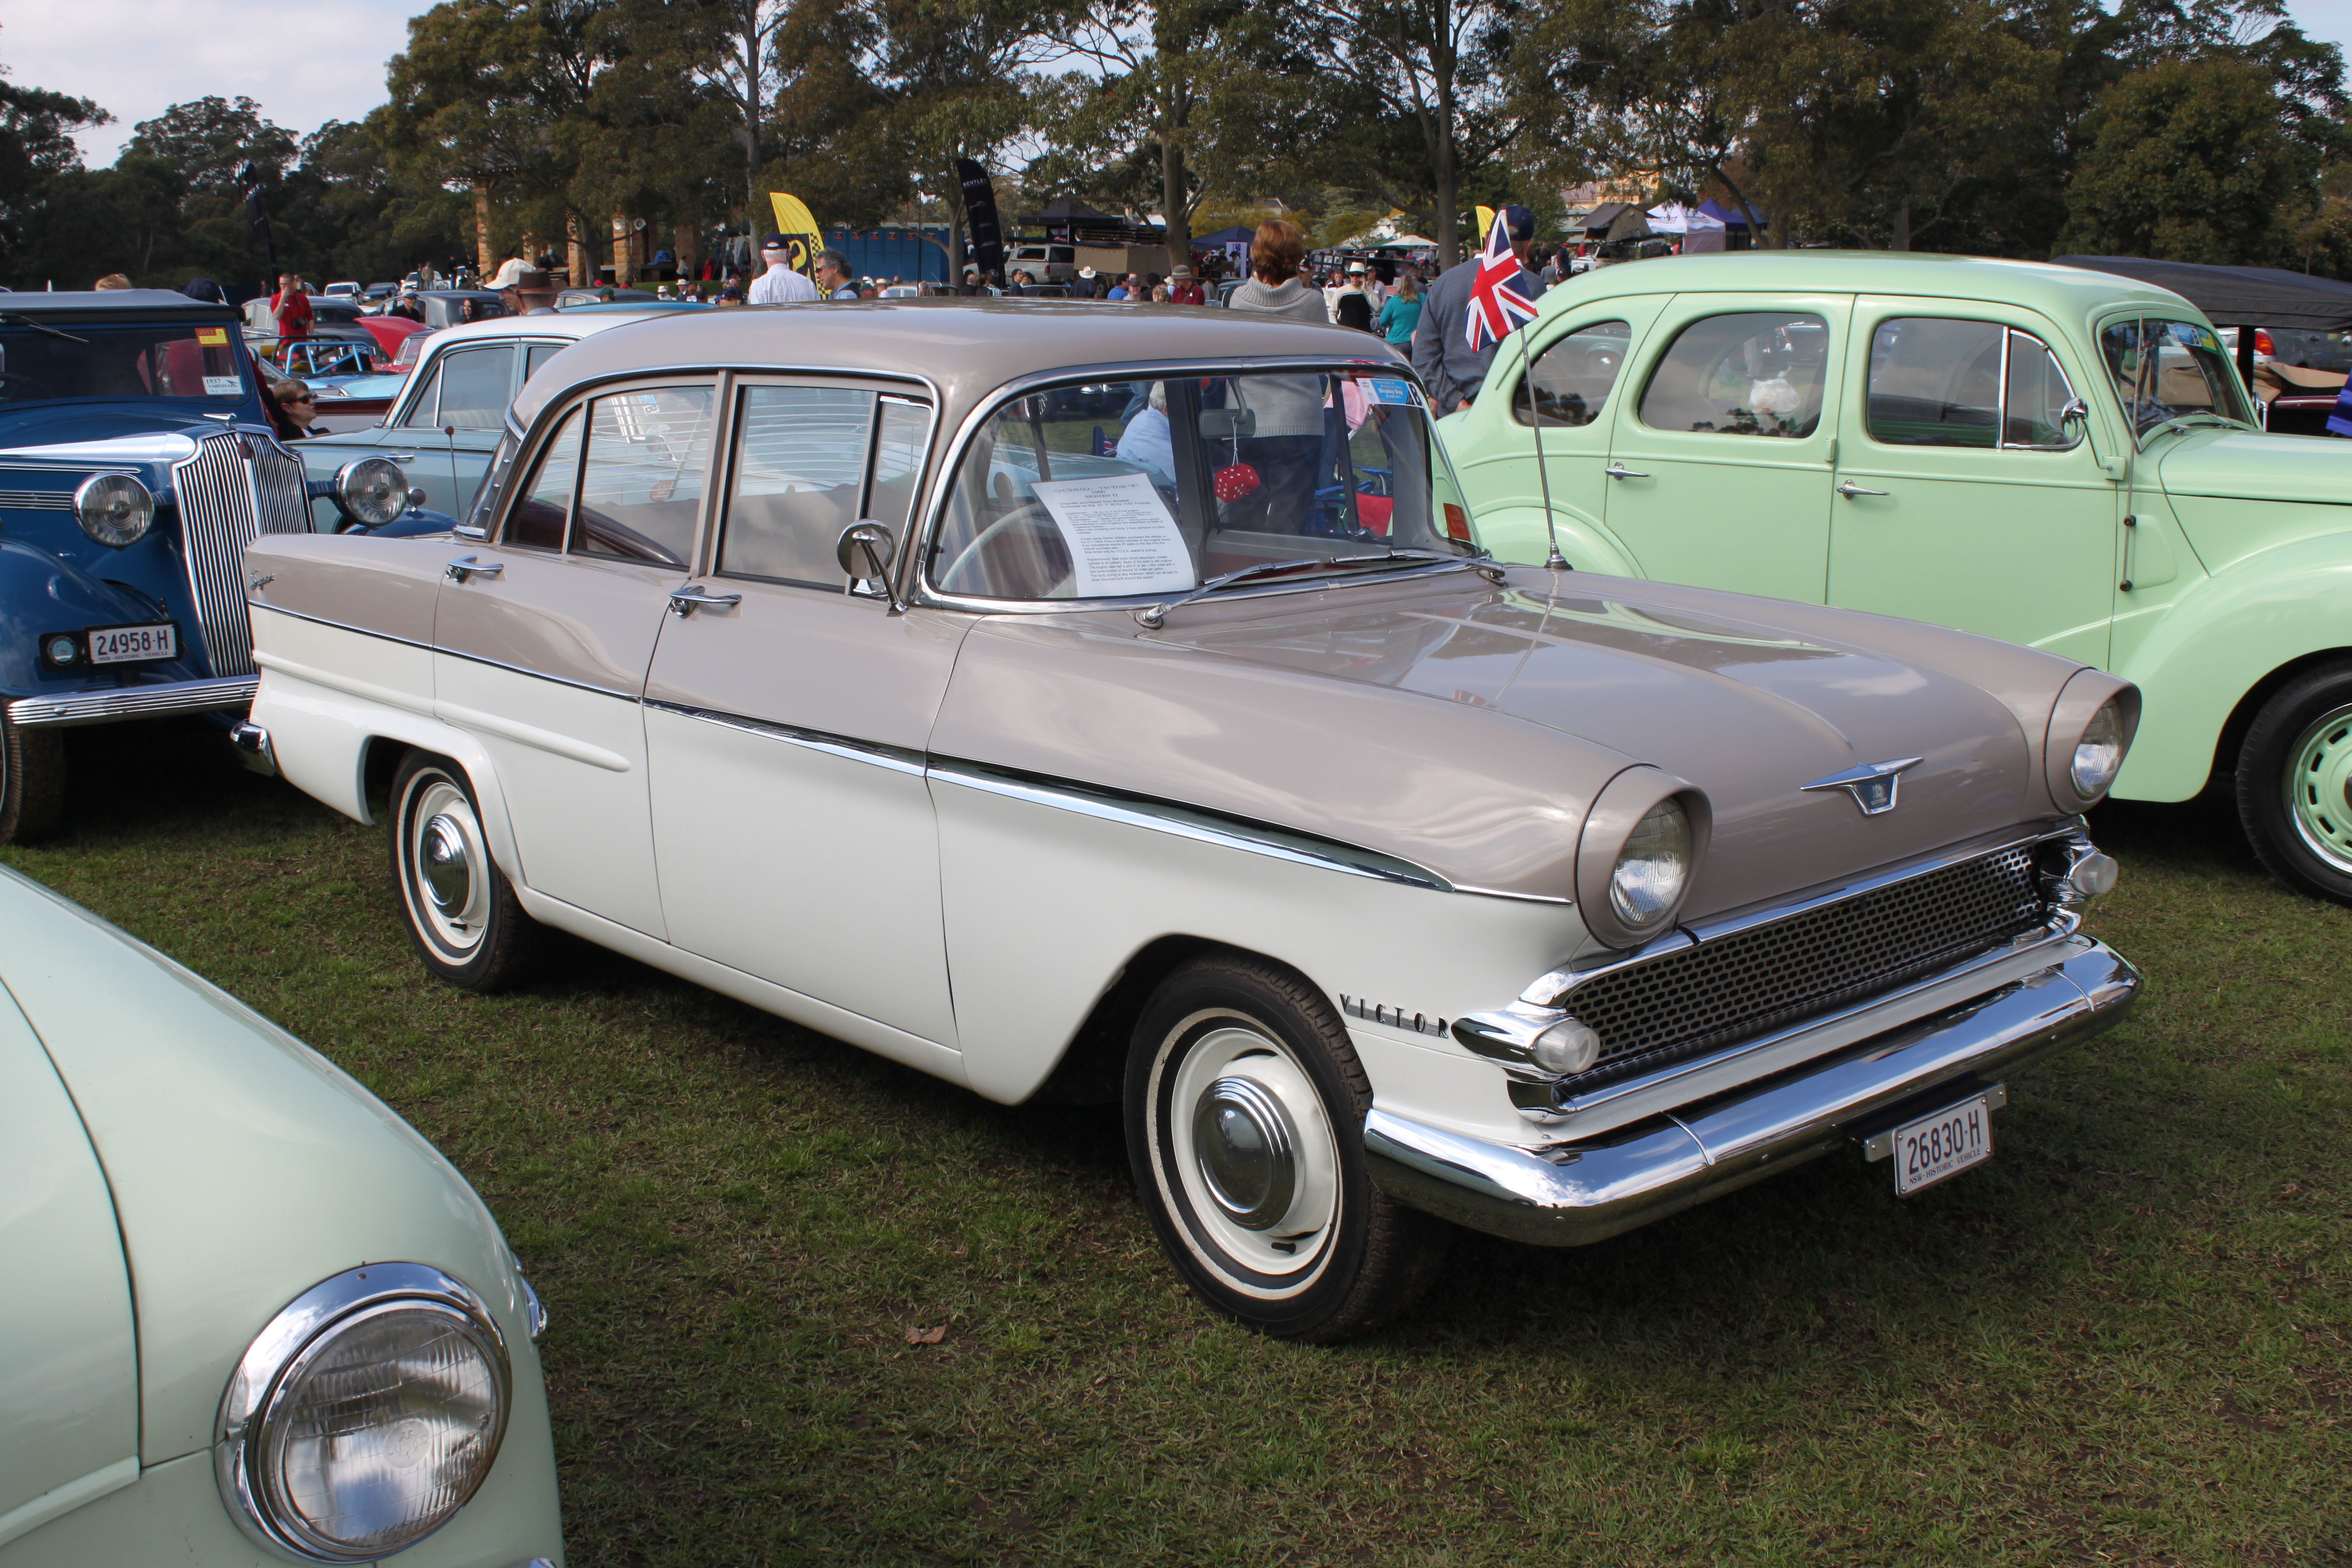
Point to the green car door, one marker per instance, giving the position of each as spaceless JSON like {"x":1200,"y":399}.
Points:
{"x":1966,"y":493}
{"x":1718,"y":472}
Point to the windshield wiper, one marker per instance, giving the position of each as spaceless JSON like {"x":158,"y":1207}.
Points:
{"x":1155,"y":616}
{"x":13,"y":320}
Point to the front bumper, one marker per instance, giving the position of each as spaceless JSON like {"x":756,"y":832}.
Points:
{"x":109,"y":704}
{"x":1570,"y":1192}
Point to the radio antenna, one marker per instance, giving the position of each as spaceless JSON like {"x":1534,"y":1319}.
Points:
{"x":1554,"y":562}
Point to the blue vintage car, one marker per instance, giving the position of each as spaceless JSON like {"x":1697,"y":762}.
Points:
{"x":136,"y":463}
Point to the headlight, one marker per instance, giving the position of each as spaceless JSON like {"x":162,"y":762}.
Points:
{"x":371,"y":491}
{"x":1652,"y":868}
{"x":114,"y":509}
{"x":364,"y":1417}
{"x":2099,"y":755}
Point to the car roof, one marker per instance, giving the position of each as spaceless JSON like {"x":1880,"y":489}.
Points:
{"x":135,"y":304}
{"x":967,"y":347}
{"x":2061,"y":293}
{"x":570,"y":324}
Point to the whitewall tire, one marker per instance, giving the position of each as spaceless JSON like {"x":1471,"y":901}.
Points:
{"x":460,"y":911}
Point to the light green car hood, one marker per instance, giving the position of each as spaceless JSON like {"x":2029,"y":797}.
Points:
{"x":2244,"y":465}
{"x":243,"y":1167}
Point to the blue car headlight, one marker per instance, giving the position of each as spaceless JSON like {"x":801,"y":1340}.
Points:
{"x":115,"y":510}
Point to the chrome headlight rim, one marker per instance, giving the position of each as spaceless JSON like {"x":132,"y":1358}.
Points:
{"x":2087,"y":695}
{"x":390,"y":498}
{"x":99,"y":508}
{"x":267,"y":1372}
{"x":1618,"y":810}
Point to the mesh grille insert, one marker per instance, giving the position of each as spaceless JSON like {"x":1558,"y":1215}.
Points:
{"x":1680,"y":1004}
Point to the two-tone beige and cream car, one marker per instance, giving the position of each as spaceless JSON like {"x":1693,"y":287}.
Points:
{"x":1072,"y":701}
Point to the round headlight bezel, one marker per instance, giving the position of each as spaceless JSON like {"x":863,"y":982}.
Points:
{"x":1661,"y":837}
{"x":2088,"y":696}
{"x":1616,"y":813}
{"x":2103,"y":740}
{"x":383,"y":498}
{"x":255,"y":1402}
{"x":114,"y":509}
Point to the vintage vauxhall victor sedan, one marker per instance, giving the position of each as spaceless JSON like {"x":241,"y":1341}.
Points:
{"x":250,"y":1317}
{"x":2064,"y":457}
{"x":1065,"y":700}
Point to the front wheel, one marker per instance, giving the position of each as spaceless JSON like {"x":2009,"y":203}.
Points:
{"x":2295,"y":784}
{"x":461,"y":912}
{"x":32,"y":781}
{"x":1246,"y":1109}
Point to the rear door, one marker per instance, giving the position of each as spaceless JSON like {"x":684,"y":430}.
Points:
{"x":1718,"y":472}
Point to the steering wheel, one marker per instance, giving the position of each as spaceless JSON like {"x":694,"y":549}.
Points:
{"x":1029,"y":514}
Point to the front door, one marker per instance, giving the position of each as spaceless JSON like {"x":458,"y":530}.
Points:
{"x":1963,"y":496}
{"x":787,"y":731}
{"x":541,"y":641}
{"x":1719,"y":468}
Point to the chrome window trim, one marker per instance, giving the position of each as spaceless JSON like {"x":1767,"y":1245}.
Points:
{"x":253,"y":1388}
{"x":1200,"y":826}
{"x":915,"y":586}
{"x":898,"y":759}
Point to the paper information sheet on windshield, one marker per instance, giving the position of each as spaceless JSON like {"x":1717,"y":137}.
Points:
{"x":1121,"y":539}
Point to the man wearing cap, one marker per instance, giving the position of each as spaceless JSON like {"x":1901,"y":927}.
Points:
{"x":780,"y":285}
{"x":1441,"y":348}
{"x":1183,"y":288}
{"x":1351,"y":307}
{"x":526,"y":290}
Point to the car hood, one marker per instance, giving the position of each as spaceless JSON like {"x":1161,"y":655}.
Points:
{"x":244,"y":1167}
{"x":1467,"y":730}
{"x":2250,"y":465}
{"x":78,"y":425}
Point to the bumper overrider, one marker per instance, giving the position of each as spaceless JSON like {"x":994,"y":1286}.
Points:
{"x":1645,"y":1147}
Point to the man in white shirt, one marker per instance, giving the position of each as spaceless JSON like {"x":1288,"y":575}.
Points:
{"x":780,"y":285}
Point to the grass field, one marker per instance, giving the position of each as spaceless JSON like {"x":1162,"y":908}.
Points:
{"x":2126,"y":1340}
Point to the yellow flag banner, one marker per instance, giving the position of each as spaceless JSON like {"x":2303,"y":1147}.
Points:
{"x":1485,"y":227}
{"x":798,"y":225}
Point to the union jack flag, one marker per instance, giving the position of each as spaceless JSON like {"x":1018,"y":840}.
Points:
{"x":1499,"y":302}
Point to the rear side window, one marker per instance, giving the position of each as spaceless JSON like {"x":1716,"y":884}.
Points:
{"x":799,"y":471}
{"x":642,"y":477}
{"x":1572,"y":378}
{"x":537,"y":354}
{"x":1756,"y":372}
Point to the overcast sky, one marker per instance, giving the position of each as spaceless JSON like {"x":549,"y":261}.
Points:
{"x":313,"y":62}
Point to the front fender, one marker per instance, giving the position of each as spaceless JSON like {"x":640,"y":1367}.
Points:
{"x":2217,"y":642}
{"x":1516,"y":533}
{"x":39,"y":592}
{"x":409,"y":524}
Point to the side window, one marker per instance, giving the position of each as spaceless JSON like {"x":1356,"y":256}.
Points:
{"x":537,"y":354}
{"x":898,"y":449}
{"x":1756,"y":372}
{"x":1935,"y":382}
{"x":545,"y":503}
{"x":1572,"y":378}
{"x":475,"y":383}
{"x":641,"y":481}
{"x":424,"y":413}
{"x":2035,"y":398}
{"x":800,"y":462}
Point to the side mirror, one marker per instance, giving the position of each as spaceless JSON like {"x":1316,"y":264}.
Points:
{"x":2076,"y":409}
{"x":865,"y":550}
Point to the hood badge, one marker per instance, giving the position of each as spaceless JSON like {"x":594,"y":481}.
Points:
{"x":1871,"y":785}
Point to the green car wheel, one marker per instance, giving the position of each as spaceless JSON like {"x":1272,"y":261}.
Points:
{"x":2295,"y":782}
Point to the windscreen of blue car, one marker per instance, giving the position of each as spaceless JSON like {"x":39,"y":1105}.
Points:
{"x":179,"y":361}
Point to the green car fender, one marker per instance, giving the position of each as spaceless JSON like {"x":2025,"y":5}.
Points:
{"x":1514,"y":531}
{"x":2219,"y":641}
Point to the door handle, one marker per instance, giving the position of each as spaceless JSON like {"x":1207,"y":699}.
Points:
{"x":466,"y":568}
{"x":683,"y":602}
{"x":1849,"y":490}
{"x":1620,"y":471}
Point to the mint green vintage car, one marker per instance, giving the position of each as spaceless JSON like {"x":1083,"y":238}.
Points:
{"x":2059,"y":457}
{"x":248,"y":1317}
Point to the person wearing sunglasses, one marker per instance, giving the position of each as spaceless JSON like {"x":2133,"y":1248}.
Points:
{"x":293,"y":410}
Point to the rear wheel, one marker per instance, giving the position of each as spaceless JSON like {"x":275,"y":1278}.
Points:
{"x":2295,"y":784}
{"x":1246,"y":1109}
{"x":460,"y":910}
{"x":32,"y":782}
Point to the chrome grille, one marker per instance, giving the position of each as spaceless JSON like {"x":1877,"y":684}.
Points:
{"x":1732,"y":987}
{"x":232,"y":489}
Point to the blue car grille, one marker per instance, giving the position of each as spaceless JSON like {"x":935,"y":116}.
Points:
{"x":234,"y":488}
{"x":38,"y":500}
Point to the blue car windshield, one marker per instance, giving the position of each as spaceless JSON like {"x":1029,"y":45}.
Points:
{"x":182,"y":361}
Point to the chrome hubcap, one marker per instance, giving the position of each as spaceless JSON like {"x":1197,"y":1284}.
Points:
{"x":1247,"y":1151}
{"x":448,"y":873}
{"x":2319,"y":788}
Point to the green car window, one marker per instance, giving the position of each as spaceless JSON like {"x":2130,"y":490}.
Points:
{"x":1757,"y":372}
{"x":2035,"y":395}
{"x":2163,"y":369}
{"x":475,"y":385}
{"x":1573,"y":377}
{"x":424,"y":409}
{"x":1935,"y":382}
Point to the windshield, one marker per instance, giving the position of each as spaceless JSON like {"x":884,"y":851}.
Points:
{"x":1117,"y":488}
{"x":142,"y":360}
{"x":2164,"y":369}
